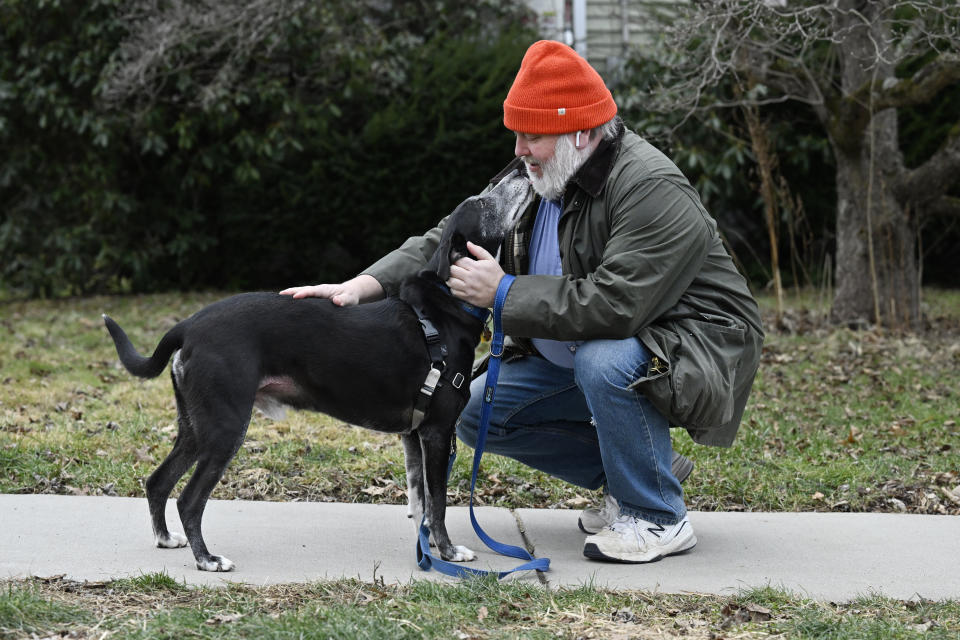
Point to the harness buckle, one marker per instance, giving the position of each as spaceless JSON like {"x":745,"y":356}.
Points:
{"x":430,"y":383}
{"x":457,"y":381}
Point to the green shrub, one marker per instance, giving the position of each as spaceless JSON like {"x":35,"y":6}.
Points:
{"x":302,"y":158}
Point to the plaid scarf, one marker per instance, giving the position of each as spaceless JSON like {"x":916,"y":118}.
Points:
{"x":517,"y":245}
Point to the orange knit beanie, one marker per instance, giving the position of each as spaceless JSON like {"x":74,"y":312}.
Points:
{"x":556,"y":91}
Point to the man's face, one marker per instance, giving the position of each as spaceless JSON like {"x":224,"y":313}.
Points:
{"x":551,"y":161}
{"x":536,"y":150}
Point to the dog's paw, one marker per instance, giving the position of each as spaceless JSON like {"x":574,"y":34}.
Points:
{"x":462,"y":554}
{"x":215,"y":563}
{"x":171,"y":541}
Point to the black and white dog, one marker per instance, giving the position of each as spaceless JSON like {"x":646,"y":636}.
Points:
{"x":365,"y":365}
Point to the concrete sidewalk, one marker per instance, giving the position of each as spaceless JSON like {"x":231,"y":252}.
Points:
{"x":826,"y":556}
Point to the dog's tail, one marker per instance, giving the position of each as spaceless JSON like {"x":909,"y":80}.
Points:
{"x":137,"y":364}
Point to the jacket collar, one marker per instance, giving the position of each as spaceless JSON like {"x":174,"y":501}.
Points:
{"x":593,"y":174}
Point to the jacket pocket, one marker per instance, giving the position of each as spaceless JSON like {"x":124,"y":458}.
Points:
{"x":693,"y":372}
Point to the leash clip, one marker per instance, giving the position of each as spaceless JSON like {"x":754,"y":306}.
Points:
{"x":430,"y":383}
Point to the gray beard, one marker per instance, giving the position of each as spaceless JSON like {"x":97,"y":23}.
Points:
{"x":559,"y":169}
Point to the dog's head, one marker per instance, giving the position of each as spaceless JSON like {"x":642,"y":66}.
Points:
{"x":484,"y":220}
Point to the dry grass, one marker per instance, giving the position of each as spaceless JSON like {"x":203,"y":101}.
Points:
{"x":155,"y":606}
{"x":838,"y":420}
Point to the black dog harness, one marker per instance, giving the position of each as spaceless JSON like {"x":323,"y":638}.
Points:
{"x":425,"y":559}
{"x":437,"y":351}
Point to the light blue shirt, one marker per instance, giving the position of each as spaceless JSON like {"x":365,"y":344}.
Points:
{"x":545,"y":261}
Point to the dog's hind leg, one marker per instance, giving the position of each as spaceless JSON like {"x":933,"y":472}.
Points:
{"x":413,"y":457}
{"x":220,"y":423}
{"x":162,"y":481}
{"x":193,"y":501}
{"x":436,"y":457}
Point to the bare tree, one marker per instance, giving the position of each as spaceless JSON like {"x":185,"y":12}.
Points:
{"x":214,"y":46}
{"x":855,"y":63}
{"x":216,"y":43}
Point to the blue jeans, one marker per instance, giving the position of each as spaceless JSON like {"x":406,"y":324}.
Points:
{"x":585,"y":426}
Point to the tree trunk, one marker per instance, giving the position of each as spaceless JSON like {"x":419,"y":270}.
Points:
{"x":766,"y":165}
{"x":878,"y":279}
{"x":877,"y":267}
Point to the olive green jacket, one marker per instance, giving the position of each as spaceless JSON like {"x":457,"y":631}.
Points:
{"x":641,"y":257}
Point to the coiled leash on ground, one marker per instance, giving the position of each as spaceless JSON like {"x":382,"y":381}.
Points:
{"x":425,"y":559}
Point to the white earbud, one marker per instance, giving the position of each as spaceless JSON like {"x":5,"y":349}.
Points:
{"x":577,"y":143}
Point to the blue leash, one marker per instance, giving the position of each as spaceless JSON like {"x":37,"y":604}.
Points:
{"x":425,"y":559}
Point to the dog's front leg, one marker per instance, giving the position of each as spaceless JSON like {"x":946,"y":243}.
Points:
{"x":414,"y":462}
{"x":436,"y":456}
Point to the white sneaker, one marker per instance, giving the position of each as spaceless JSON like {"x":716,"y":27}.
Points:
{"x":630,"y":539}
{"x":596,"y":520}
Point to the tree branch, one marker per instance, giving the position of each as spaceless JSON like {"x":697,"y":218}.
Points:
{"x":925,"y":84}
{"x":944,"y":206}
{"x":935,"y":177}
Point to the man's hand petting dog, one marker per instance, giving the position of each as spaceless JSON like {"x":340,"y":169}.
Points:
{"x":476,"y":281}
{"x":363,"y":288}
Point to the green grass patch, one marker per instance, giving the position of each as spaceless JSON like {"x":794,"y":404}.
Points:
{"x":25,"y":609}
{"x":157,"y":607}
{"x":838,"y":421}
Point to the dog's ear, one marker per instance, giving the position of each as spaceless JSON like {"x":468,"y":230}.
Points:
{"x":453,"y":246}
{"x":439,"y":264}
{"x":449,"y":249}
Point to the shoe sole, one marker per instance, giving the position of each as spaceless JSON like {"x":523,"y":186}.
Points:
{"x":681,"y":466}
{"x":592,"y":551}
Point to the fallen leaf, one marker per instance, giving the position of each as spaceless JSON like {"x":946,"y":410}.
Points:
{"x":953,"y":496}
{"x":750,"y":612}
{"x":923,"y":627}
{"x":854,"y":437}
{"x":53,"y":578}
{"x":376,"y":491}
{"x":623,"y":615}
{"x":225,"y":618}
{"x":758,"y":613}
